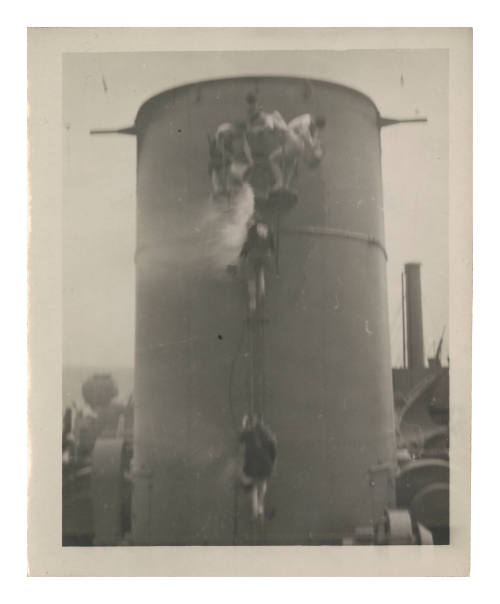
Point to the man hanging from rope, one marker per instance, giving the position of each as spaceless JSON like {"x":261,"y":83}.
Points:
{"x":257,"y":252}
{"x":230,"y":158}
{"x":259,"y":459}
{"x":301,"y":140}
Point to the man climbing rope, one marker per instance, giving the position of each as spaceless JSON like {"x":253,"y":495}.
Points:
{"x":230,"y":158}
{"x":259,"y":459}
{"x":301,"y":139}
{"x":257,"y":252}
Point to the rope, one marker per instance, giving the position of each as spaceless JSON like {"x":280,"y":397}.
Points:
{"x":230,"y":380}
{"x":236,"y":429}
{"x":257,"y":380}
{"x":251,"y":403}
{"x":260,"y":374}
{"x":235,"y":515}
{"x":277,"y":228}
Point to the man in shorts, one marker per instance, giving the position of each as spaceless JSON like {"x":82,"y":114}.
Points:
{"x":257,"y":251}
{"x":259,"y":459}
{"x":230,"y":158}
{"x":301,"y":138}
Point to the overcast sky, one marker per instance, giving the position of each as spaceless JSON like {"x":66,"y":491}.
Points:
{"x":105,"y":91}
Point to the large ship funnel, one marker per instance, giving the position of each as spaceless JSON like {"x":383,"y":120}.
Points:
{"x":319,"y":366}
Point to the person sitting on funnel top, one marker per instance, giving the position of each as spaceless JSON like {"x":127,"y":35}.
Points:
{"x":301,"y":139}
{"x":231,"y":157}
{"x":259,"y":459}
{"x":257,"y":251}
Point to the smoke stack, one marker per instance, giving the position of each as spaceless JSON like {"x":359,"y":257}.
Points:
{"x":414,"y":322}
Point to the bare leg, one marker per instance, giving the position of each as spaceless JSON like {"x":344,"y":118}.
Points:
{"x":215,"y":183}
{"x":262,"y":283}
{"x":292,"y":152}
{"x":262,"y":489}
{"x":275,"y":160}
{"x":252,"y":293}
{"x":290,"y":171}
{"x":255,"y":501}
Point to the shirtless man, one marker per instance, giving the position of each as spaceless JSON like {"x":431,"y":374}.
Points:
{"x":257,"y":251}
{"x":258,"y":119}
{"x":301,"y":137}
{"x":259,"y":458}
{"x":231,"y":157}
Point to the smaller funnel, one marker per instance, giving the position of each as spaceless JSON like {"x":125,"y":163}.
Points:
{"x":414,"y":321}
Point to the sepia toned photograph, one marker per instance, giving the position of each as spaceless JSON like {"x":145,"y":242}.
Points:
{"x":255,"y":261}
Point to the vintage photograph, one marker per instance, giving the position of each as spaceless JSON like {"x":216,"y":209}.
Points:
{"x":255,"y":298}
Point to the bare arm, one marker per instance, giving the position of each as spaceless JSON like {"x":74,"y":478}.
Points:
{"x":266,"y":123}
{"x":278,"y":122}
{"x":247,"y":151}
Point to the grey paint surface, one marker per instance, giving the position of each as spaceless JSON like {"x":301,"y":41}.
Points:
{"x":325,"y":352}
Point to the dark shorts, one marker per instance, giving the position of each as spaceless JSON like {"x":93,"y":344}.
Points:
{"x":260,"y":454}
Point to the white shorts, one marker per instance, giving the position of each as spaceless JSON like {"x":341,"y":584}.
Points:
{"x":294,"y":144}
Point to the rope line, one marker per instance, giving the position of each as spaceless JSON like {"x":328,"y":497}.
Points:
{"x":231,"y":376}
